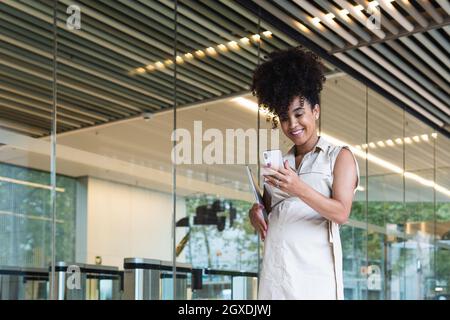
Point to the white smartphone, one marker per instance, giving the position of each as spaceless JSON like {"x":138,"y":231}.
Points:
{"x":273,"y":158}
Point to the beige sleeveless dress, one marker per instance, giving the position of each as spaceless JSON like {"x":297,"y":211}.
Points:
{"x":302,"y":251}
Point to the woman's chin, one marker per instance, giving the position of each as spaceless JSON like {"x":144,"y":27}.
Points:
{"x":298,"y":140}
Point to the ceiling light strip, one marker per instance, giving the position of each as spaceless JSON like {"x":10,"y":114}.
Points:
{"x":399,"y":141}
{"x":390,"y":166}
{"x":211,"y":51}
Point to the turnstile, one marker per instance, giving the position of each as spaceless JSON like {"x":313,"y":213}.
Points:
{"x":79,"y":281}
{"x":228,"y":284}
{"x":150,"y":279}
{"x":18,"y":283}
{"x":184,"y":271}
{"x":244,"y":288}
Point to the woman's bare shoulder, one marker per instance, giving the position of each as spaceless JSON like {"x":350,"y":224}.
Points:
{"x":344,"y":159}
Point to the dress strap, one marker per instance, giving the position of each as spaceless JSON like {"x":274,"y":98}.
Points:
{"x":335,"y":239}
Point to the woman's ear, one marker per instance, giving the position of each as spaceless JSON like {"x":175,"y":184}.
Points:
{"x":316,"y":111}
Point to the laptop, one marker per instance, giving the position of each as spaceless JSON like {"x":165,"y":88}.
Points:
{"x":257,"y":194}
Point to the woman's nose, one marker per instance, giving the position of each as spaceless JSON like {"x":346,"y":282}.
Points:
{"x":292,"y":123}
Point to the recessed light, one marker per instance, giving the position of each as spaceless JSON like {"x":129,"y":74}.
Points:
{"x":211,"y":51}
{"x":199,"y":53}
{"x":159,"y":64}
{"x":245,"y":40}
{"x":222,"y":47}
{"x":233,"y":45}
{"x":315,"y":20}
{"x":256,"y":37}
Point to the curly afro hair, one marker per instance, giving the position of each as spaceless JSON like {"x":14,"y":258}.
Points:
{"x":288,"y":74}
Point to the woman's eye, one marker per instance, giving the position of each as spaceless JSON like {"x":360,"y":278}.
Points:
{"x":299,"y":115}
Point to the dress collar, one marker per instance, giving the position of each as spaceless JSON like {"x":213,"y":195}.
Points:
{"x":321,"y":145}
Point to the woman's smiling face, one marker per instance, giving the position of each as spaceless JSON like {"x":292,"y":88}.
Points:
{"x":299,"y":124}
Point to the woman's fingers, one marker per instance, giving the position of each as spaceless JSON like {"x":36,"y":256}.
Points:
{"x":262,"y":222}
{"x":273,"y":182}
{"x":257,"y":220}
{"x":262,"y":232}
{"x":267,"y":171}
{"x":260,"y":218}
{"x":262,"y":227}
{"x":276,"y":175}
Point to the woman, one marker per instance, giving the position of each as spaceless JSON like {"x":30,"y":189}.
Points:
{"x":311,"y":196}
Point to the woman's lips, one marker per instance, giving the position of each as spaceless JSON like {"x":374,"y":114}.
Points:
{"x":297,"y":132}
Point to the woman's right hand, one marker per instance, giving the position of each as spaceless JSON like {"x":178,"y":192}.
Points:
{"x":257,"y":220}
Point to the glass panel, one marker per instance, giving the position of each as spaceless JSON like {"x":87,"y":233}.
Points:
{"x":26,"y":109}
{"x":386,"y":238}
{"x":115,"y":158}
{"x":440,"y":287}
{"x":354,"y":261}
{"x":216,"y":135}
{"x":343,"y":122}
{"x":215,"y":287}
{"x":419,"y":196}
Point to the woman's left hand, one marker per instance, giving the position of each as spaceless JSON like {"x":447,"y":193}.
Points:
{"x":285,"y":179}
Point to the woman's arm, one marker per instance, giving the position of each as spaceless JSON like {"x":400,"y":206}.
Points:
{"x":337,"y":208}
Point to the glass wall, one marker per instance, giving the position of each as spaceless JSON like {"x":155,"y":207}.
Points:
{"x":116,"y":68}
{"x":154,"y":126}
{"x":26,"y":112}
{"x":385,"y":206}
{"x":419,"y":210}
{"x":336,"y":125}
{"x":222,"y":132}
{"x":440,"y":281}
